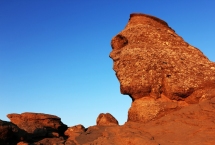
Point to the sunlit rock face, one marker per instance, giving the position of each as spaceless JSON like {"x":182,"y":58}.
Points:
{"x":38,"y":124}
{"x":151,"y":60}
{"x":105,"y":119}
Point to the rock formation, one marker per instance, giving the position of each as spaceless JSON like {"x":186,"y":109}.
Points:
{"x":10,"y":133}
{"x":74,"y":131}
{"x":38,"y":124}
{"x":152,"y":62}
{"x":172,"y":86}
{"x":106,"y":119}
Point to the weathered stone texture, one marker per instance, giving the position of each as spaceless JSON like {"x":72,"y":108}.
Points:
{"x":74,"y":131}
{"x":10,"y":133}
{"x":151,"y":60}
{"x":7,"y":132}
{"x":106,"y":119}
{"x":38,"y":124}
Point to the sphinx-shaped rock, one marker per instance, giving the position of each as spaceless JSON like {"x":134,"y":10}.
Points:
{"x":39,"y":124}
{"x":106,"y":119}
{"x":151,"y":60}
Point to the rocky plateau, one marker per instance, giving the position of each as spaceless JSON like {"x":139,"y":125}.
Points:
{"x":171,"y":84}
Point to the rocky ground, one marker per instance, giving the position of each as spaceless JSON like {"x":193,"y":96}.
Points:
{"x":190,"y":125}
{"x":172,"y":86}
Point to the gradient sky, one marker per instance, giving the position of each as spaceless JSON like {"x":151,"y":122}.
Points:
{"x":54,"y":55}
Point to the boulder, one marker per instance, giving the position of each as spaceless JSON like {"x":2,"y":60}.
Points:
{"x":106,"y":119}
{"x":151,"y":61}
{"x":10,"y":133}
{"x":146,"y":109}
{"x":39,"y":124}
{"x":74,"y":131}
{"x":7,"y":131}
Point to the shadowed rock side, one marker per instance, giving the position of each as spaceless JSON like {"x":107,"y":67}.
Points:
{"x":10,"y":133}
{"x":152,"y":62}
{"x":38,"y":125}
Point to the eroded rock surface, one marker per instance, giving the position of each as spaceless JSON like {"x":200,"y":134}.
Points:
{"x":151,"y":60}
{"x":74,"y":131}
{"x":9,"y":133}
{"x":190,"y":125}
{"x":106,"y":119}
{"x":39,"y":124}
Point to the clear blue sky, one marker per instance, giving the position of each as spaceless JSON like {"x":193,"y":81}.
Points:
{"x":54,"y":55}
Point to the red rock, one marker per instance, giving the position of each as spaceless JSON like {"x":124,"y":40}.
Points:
{"x":6,"y":132}
{"x":50,"y":141}
{"x":22,"y":143}
{"x":70,"y":142}
{"x":74,"y":131}
{"x":106,"y":119}
{"x":146,"y":109}
{"x":170,"y":82}
{"x":10,"y":133}
{"x":38,"y":124}
{"x":192,"y":124}
{"x":151,"y":60}
{"x":115,"y":135}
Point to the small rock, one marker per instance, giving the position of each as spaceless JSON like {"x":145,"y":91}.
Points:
{"x":106,"y":119}
{"x":74,"y":131}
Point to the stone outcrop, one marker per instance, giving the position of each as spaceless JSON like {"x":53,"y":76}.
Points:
{"x":10,"y":133}
{"x":106,"y":119}
{"x":190,"y":125}
{"x":172,"y":86}
{"x":151,"y":61}
{"x":74,"y":131}
{"x":39,"y":124}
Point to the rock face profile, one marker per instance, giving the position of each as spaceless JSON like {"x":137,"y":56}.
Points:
{"x":152,"y":61}
{"x":170,"y":82}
